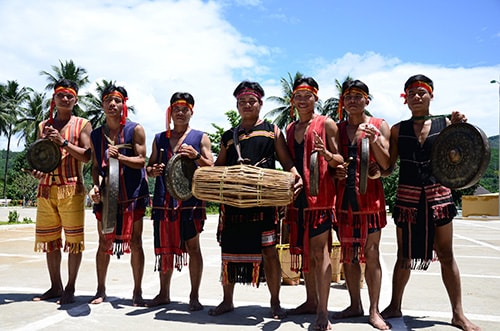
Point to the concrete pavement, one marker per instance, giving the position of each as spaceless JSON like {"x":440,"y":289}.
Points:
{"x":23,"y":275}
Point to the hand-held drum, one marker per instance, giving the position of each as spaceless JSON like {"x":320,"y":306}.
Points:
{"x":460,"y":155}
{"x":44,"y":155}
{"x":244,"y":186}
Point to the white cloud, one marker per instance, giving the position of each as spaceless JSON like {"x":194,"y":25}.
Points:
{"x":464,"y":89}
{"x":155,"y":48}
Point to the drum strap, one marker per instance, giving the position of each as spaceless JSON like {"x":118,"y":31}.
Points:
{"x":236,"y":142}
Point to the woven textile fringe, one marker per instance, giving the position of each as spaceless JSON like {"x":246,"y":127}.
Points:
{"x":49,"y":246}
{"x":165,"y":262}
{"x":244,"y":273}
{"x":74,"y":248}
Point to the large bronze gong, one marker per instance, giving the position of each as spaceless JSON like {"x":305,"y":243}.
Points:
{"x":314,"y":174}
{"x":44,"y":155}
{"x":110,"y":196}
{"x":179,"y":175}
{"x":460,"y":156}
{"x":364,"y":162}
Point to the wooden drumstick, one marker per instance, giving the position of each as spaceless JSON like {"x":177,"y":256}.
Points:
{"x":160,"y":157}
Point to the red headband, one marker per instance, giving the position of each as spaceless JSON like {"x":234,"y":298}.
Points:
{"x":124,"y":100}
{"x":248,"y":91}
{"x":309,"y":88}
{"x":53,"y":102}
{"x":418,"y":83}
{"x":341,"y":101}
{"x":169,"y":113}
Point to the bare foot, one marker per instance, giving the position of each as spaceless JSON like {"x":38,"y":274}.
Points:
{"x":348,"y":312}
{"x":464,"y":324}
{"x":138,"y":301}
{"x":195,"y":305}
{"x":67,"y":297}
{"x":322,"y":322}
{"x":158,"y":301}
{"x":378,"y":322}
{"x":222,"y":308}
{"x":98,"y":298}
{"x":50,"y":294}
{"x":391,"y":312}
{"x":278,"y":312}
{"x":305,"y":308}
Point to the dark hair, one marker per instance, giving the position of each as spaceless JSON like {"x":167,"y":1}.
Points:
{"x":308,"y":80}
{"x":348,"y":84}
{"x":419,"y":78}
{"x":66,"y":83}
{"x":182,"y":96}
{"x":111,"y":88}
{"x":248,"y":85}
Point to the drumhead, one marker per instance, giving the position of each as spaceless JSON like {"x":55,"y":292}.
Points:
{"x":460,"y":155}
{"x":179,"y":175}
{"x":44,"y":155}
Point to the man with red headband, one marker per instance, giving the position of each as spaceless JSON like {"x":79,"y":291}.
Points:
{"x":61,"y":193}
{"x":125,"y":141}
{"x":247,"y":236}
{"x":424,"y":209}
{"x":311,"y":216}
{"x":178,"y":224}
{"x":361,"y":217}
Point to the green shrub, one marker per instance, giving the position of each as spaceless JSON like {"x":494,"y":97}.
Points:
{"x":13,"y":216}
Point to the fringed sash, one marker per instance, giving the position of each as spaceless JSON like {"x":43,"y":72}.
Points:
{"x":417,"y":211}
{"x":320,"y":207}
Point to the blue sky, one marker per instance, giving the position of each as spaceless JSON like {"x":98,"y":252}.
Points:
{"x":450,"y":33}
{"x":155,"y":48}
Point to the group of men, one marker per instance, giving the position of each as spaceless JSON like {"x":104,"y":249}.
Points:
{"x":423,"y":211}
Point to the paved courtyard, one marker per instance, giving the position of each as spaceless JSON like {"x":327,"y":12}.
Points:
{"x":23,"y":275}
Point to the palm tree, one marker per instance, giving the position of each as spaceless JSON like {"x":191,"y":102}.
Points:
{"x":70,"y":71}
{"x":67,"y":70}
{"x":29,"y":117}
{"x":281,"y":114}
{"x":92,"y":104}
{"x":11,"y":101}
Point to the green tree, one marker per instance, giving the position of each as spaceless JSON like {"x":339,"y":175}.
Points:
{"x":215,"y":138}
{"x":70,"y":71}
{"x":29,"y":116}
{"x":12,"y":98}
{"x":281,"y":114}
{"x":92,"y":104}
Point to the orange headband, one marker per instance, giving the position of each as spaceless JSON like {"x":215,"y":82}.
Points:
{"x":418,"y":83}
{"x":125,"y":109}
{"x":169,"y":113}
{"x":309,"y":88}
{"x":53,"y":102}
{"x":341,"y":101}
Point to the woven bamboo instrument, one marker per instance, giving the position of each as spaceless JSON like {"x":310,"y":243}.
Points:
{"x":243,"y":186}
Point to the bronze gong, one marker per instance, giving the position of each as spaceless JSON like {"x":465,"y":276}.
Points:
{"x":314,"y":174}
{"x":44,"y":155}
{"x":179,"y":175}
{"x":460,"y":155}
{"x":110,"y":196}
{"x":364,"y":162}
